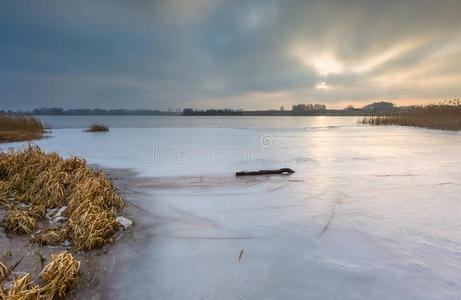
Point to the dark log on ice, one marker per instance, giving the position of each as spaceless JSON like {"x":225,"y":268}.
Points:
{"x":285,"y":171}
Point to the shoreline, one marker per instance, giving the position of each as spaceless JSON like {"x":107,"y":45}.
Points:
{"x":25,"y":256}
{"x":98,"y":265}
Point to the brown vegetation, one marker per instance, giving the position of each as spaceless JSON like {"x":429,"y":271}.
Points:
{"x":59,"y":275}
{"x":50,"y":236}
{"x":19,"y":222}
{"x":96,"y":127}
{"x":22,"y":288}
{"x":446,"y":115}
{"x":4,"y":271}
{"x":32,"y":182}
{"x":56,"y":279}
{"x":67,"y":201}
{"x":15,"y":128}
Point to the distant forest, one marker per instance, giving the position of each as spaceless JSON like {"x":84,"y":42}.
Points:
{"x":98,"y":112}
{"x":378,"y":108}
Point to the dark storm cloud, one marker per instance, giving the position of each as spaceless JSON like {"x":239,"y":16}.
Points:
{"x":178,"y":53}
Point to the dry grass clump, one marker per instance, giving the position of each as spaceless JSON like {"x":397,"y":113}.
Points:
{"x":50,"y":236}
{"x":32,"y":182}
{"x":22,"y":289}
{"x":57,"y":278}
{"x":19,"y":222}
{"x":91,"y":226}
{"x":19,"y":128}
{"x":59,"y":275}
{"x":37,"y":211}
{"x":4,"y":271}
{"x":445,"y":115}
{"x":78,"y":204}
{"x":96,"y":127}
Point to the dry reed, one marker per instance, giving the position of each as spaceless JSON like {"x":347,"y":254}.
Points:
{"x":91,"y":226}
{"x":20,"y":128}
{"x":37,"y":211}
{"x":57,"y":278}
{"x":22,"y":289}
{"x":96,"y":127}
{"x":445,"y":115}
{"x":41,"y":181}
{"x":19,"y":222}
{"x":4,"y":271}
{"x":50,"y":236}
{"x":59,"y":275}
{"x":81,"y":206}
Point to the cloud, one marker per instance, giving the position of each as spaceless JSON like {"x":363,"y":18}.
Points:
{"x":249,"y":54}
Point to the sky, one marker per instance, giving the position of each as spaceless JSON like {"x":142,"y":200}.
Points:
{"x":258,"y":54}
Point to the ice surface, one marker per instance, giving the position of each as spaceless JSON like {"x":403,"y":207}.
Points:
{"x":196,"y":121}
{"x":371,"y":212}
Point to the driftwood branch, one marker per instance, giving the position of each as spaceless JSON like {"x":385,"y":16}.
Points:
{"x":285,"y":171}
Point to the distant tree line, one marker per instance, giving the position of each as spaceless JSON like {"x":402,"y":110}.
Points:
{"x":212,"y":112}
{"x":99,"y":112}
{"x":378,"y":108}
{"x":222,"y":112}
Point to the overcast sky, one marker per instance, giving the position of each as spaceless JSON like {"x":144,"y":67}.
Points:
{"x":237,"y":54}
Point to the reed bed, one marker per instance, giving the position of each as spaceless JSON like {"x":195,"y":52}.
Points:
{"x":97,"y":127}
{"x":445,"y":115}
{"x":57,"y":202}
{"x":32,"y":182}
{"x":15,"y":128}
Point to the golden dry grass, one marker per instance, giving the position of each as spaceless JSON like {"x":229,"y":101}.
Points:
{"x":22,"y":289}
{"x":37,"y":211}
{"x":19,"y":222}
{"x":20,"y":128}
{"x":50,"y":236}
{"x":446,"y":115}
{"x":96,"y":127}
{"x":91,"y":226}
{"x":4,"y":271}
{"x":59,"y":275}
{"x":34,"y":186}
{"x":43,"y":181}
{"x":57,"y":278}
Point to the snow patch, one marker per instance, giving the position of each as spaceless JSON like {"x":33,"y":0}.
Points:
{"x":125,"y":222}
{"x":23,"y":205}
{"x":55,"y":215}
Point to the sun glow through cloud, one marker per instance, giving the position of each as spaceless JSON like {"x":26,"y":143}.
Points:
{"x":323,"y":63}
{"x":322,"y":86}
{"x":179,"y":53}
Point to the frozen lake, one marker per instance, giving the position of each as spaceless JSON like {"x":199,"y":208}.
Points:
{"x":197,"y":121}
{"x":371,"y":212}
